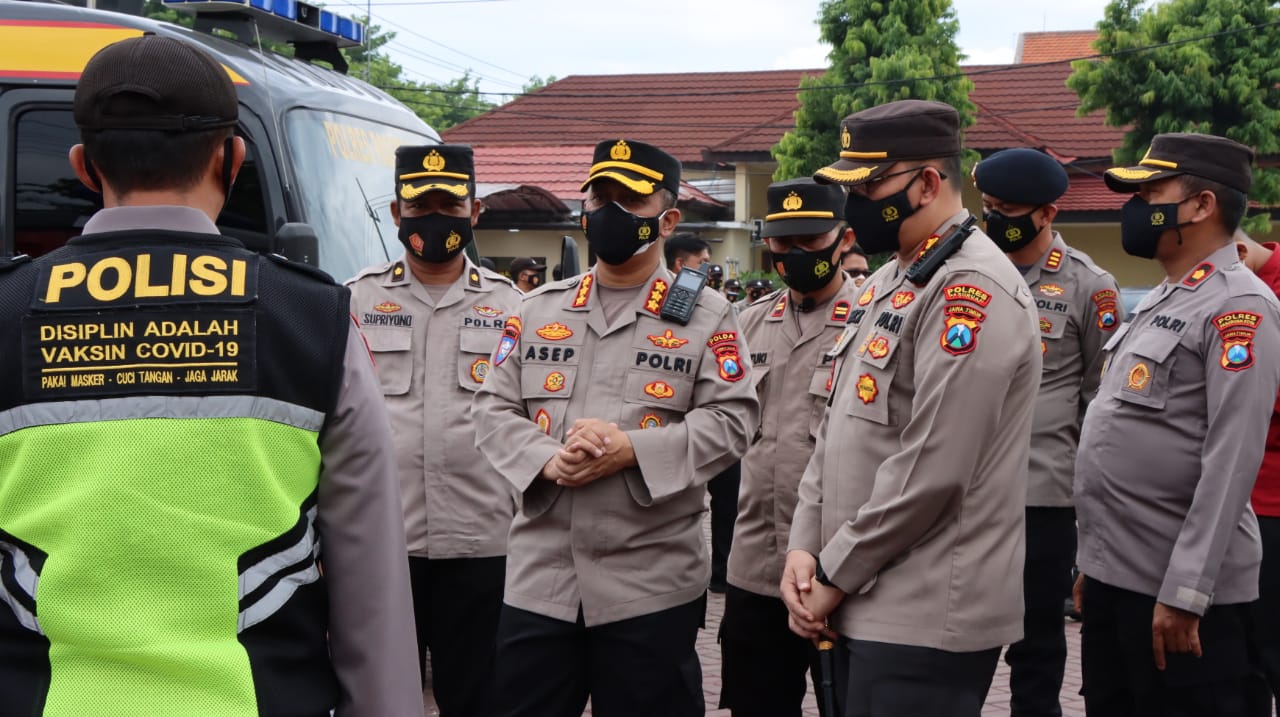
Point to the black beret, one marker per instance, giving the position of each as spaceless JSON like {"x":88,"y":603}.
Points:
{"x":1021,"y":176}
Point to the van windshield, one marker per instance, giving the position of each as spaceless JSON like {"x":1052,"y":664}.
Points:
{"x":344,"y":168}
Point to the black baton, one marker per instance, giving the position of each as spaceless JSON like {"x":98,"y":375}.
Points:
{"x":826,"y":678}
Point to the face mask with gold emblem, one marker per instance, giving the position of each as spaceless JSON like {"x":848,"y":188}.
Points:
{"x":435,"y":237}
{"x":876,"y":222}
{"x":1010,"y":233}
{"x":1142,"y":224}
{"x":807,"y":271}
{"x":616,"y":235}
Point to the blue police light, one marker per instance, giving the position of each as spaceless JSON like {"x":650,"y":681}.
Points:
{"x":284,"y":20}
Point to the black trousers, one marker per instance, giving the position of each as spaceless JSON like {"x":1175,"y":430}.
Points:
{"x":1119,"y":671}
{"x":762,"y":662}
{"x":641,"y":667}
{"x":1037,"y":661}
{"x":456,"y":604}
{"x":1266,"y":611}
{"x":724,"y":513}
{"x":884,"y":680}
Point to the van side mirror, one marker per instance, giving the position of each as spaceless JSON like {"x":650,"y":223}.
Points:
{"x":297,"y":241}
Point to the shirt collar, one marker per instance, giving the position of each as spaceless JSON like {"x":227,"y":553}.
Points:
{"x":169,"y":217}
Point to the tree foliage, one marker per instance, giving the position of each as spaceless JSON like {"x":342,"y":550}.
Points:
{"x":1228,"y":85}
{"x":441,"y":105}
{"x":896,"y":46}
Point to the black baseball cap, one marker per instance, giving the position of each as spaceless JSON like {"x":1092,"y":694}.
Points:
{"x":445,"y":167}
{"x":803,"y":207}
{"x":154,"y":83}
{"x":1217,"y":159}
{"x":1021,"y":176}
{"x":523,"y":263}
{"x":640,"y":167}
{"x":874,"y":139}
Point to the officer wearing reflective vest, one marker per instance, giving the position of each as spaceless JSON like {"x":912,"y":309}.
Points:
{"x":432,"y":318}
{"x":909,"y":526}
{"x":1079,"y":308}
{"x":199,"y":510}
{"x":789,"y":332}
{"x":610,"y":419}
{"x":1169,"y":547}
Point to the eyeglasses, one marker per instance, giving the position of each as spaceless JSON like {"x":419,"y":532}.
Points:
{"x":855,"y":273}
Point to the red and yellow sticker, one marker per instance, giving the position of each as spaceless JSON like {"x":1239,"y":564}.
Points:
{"x":779,"y":308}
{"x":554,"y":381}
{"x":867,"y":389}
{"x":1200,"y":273}
{"x":867,"y":296}
{"x":543,"y":420}
{"x":840,"y":312}
{"x":1054,"y":260}
{"x":660,"y":389}
{"x":903,"y":298}
{"x":657,"y":294}
{"x":723,"y":337}
{"x":878,"y":348}
{"x":650,"y":421}
{"x":555,"y":331}
{"x":967,"y":292}
{"x":668,"y":340}
{"x":387,"y":307}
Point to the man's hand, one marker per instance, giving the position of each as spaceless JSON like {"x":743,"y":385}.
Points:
{"x":1077,"y":594}
{"x":797,"y":587}
{"x":1174,"y":630}
{"x":595,"y":449}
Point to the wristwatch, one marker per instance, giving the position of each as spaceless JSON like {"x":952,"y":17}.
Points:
{"x":821,"y":576}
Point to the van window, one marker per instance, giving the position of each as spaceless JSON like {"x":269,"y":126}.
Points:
{"x":345,"y":170}
{"x":51,"y":205}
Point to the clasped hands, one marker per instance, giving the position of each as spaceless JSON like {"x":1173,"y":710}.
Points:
{"x":593,"y":449}
{"x":808,"y":601}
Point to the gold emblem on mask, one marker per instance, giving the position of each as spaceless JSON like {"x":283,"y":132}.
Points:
{"x":452,"y":241}
{"x":644,"y":233}
{"x":822,"y":268}
{"x":889,"y":214}
{"x":792,"y":202}
{"x":433,"y":162}
{"x":845,"y":138}
{"x":620,"y":151}
{"x":1157,"y":219}
{"x":1013,"y":234}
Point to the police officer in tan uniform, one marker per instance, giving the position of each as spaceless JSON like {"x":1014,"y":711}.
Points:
{"x":432,"y":319}
{"x":907,"y":540}
{"x":609,"y":419}
{"x":1169,"y":547}
{"x":1078,"y":304}
{"x":789,"y":332}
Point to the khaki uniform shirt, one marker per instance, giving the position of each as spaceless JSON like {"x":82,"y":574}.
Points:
{"x":631,"y":543}
{"x":792,"y":372}
{"x":914,"y":498}
{"x":431,"y":357}
{"x":1079,"y":307}
{"x":1172,"y":444}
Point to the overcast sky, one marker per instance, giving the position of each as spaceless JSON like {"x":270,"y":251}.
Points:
{"x":505,"y":42}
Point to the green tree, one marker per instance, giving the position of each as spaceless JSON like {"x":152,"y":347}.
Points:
{"x":536,"y":83}
{"x":1227,"y":85}
{"x":893,"y":46}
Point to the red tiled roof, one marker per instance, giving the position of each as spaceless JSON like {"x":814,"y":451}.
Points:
{"x":1053,"y":46}
{"x":558,"y":169}
{"x":1088,"y":193}
{"x":710,"y":110}
{"x":1033,"y":107}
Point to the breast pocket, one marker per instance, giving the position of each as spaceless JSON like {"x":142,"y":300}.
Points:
{"x":1057,"y":343}
{"x":871,"y":372}
{"x":546,"y":390}
{"x":819,"y":391}
{"x":1145,"y":368}
{"x":652,"y":400}
{"x":392,"y":358}
{"x":475,"y":347}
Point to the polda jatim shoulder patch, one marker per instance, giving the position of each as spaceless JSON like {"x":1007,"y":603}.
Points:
{"x":1105,"y":301}
{"x":1237,"y":329}
{"x":967,"y":292}
{"x":961,"y":325}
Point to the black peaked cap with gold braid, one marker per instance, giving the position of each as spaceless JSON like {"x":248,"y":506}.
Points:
{"x":640,"y":167}
{"x":445,"y":167}
{"x":1217,"y":159}
{"x":802,"y":207}
{"x":874,"y":139}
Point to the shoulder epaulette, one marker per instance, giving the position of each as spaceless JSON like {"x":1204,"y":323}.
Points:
{"x":377,"y":269}
{"x":302,"y":268}
{"x":561,"y":285}
{"x":771,"y":296}
{"x":495,"y":276}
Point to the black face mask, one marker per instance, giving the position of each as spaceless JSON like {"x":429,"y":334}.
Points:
{"x":1011,"y":233}
{"x":1142,"y":224}
{"x":876,"y":222}
{"x":435,"y":237}
{"x":807,"y":271}
{"x":616,"y":235}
